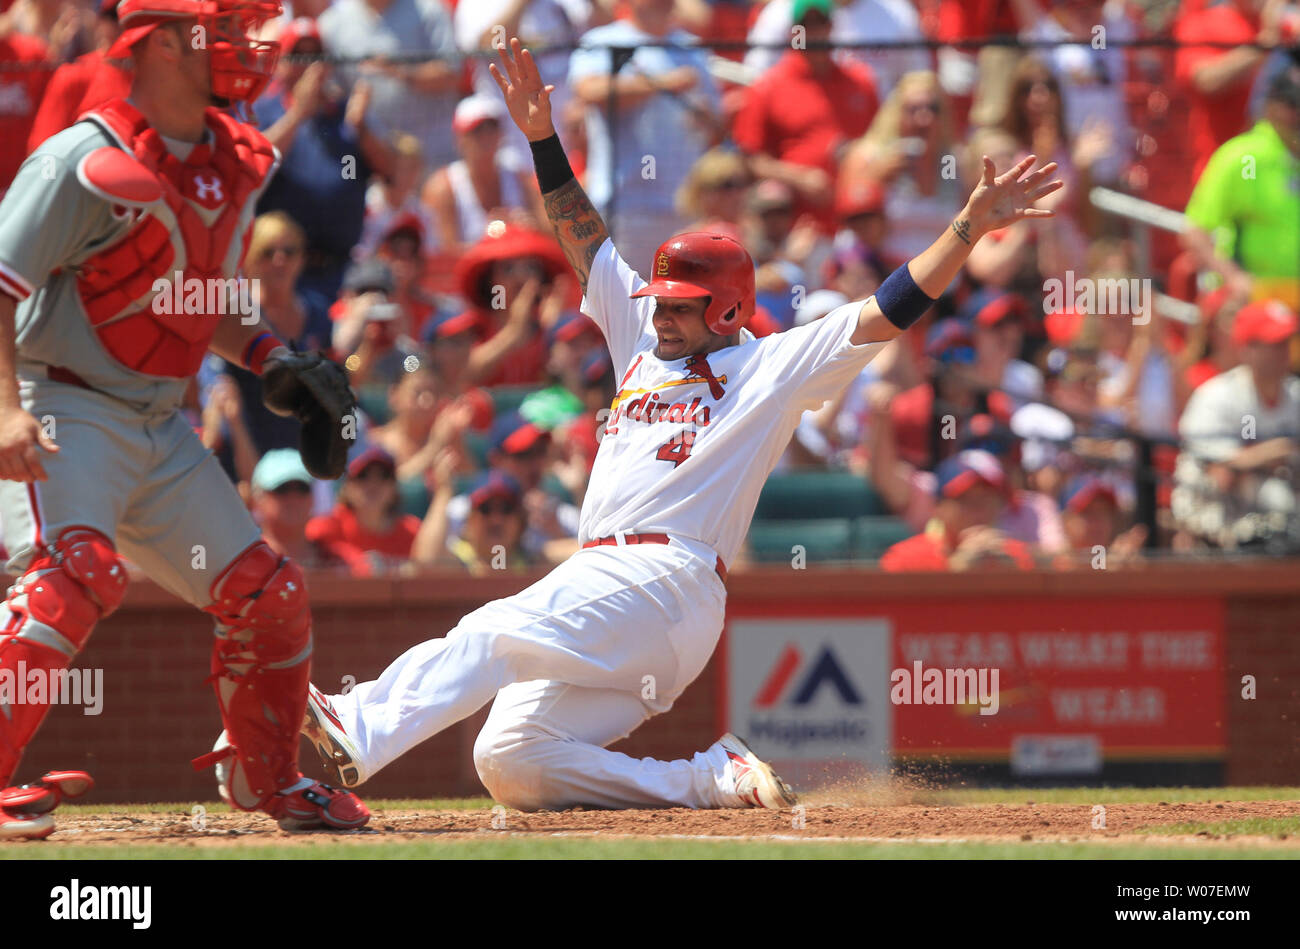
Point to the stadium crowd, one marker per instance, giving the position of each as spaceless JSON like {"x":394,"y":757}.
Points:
{"x":1084,"y":386}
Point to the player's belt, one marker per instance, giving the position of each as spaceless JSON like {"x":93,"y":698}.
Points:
{"x":649,"y":539}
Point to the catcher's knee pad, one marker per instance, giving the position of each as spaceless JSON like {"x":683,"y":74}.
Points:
{"x":260,"y":669}
{"x":52,"y":608}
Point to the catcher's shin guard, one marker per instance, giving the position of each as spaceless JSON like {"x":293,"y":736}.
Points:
{"x":51,"y":610}
{"x":260,"y":669}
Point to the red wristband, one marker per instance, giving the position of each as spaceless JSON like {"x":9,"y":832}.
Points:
{"x":258,"y":348}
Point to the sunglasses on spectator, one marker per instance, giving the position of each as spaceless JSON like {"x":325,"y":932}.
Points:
{"x":289,"y":250}
{"x":932,"y":107}
{"x":731,"y":184}
{"x":292,"y":487}
{"x":498,"y":507}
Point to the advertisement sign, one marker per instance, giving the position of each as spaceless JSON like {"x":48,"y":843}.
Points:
{"x":811,"y":696}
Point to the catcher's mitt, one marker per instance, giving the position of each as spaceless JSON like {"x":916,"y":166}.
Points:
{"x":314,"y":390}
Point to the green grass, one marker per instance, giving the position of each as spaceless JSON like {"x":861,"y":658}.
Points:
{"x":1279,"y":827}
{"x":570,"y":848}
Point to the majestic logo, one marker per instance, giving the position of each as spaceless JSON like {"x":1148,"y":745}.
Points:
{"x":825,"y":671}
{"x":208,"y":190}
{"x":661,"y":265}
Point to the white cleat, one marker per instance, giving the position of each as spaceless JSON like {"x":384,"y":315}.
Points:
{"x":337,"y":751}
{"x":755,"y":783}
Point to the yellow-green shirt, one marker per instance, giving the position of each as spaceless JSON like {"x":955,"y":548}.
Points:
{"x":1248,"y":198}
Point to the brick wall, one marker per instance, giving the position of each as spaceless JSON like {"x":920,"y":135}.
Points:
{"x":158,"y":713}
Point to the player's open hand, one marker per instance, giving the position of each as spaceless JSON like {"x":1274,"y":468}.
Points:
{"x":20,"y":437}
{"x":999,"y":200}
{"x":527,"y":98}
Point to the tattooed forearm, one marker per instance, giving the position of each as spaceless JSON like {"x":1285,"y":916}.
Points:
{"x":578,"y":226}
{"x":962,"y":230}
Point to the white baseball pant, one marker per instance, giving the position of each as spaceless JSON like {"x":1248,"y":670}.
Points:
{"x":577,"y":661}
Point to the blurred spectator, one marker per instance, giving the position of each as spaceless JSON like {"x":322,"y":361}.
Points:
{"x":486,"y":183}
{"x":396,"y":197}
{"x":488,"y":538}
{"x":56,"y":25}
{"x":372,"y":332}
{"x":1092,"y":73}
{"x":328,"y":153}
{"x":1137,"y":374}
{"x":366,"y":531}
{"x":416,"y":96}
{"x":402,"y":249}
{"x":23,"y":78}
{"x":1218,"y":80}
{"x":1093,"y":519}
{"x":509,"y":281}
{"x":449,"y":340}
{"x":1036,"y":119}
{"x":853,"y":22}
{"x":997,"y":322}
{"x":1244,"y":216}
{"x":1045,"y":434}
{"x":909,"y":151}
{"x":281,"y":506}
{"x":273,"y":263}
{"x":1237,"y":475}
{"x":666,"y":116}
{"x":569,"y":341}
{"x":1030,"y":516}
{"x":1020,"y":257}
{"x":83,"y":84}
{"x":549,"y":29}
{"x":712,"y":198}
{"x":975,"y":77}
{"x":970,"y":495}
{"x":427,"y":417}
{"x":522,"y":450}
{"x":579,"y":440}
{"x":803,"y":111}
{"x":1209,"y":349}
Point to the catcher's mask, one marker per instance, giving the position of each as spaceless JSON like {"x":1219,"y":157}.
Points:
{"x":240,"y":65}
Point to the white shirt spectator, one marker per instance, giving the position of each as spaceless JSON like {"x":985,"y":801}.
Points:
{"x":353,"y":29}
{"x":1212,"y":424}
{"x":547,"y":28}
{"x":863,"y":21}
{"x":470,"y":214}
{"x":654,"y":143}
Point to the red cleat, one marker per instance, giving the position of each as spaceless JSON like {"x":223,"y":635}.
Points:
{"x":315,"y":806}
{"x":25,"y":810}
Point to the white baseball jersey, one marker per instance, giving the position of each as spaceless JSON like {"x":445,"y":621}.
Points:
{"x":689,"y":442}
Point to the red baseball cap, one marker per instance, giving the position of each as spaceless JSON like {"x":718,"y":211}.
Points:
{"x":297,"y":30}
{"x":1268,"y":321}
{"x":371,"y":456}
{"x":866,"y":198}
{"x":958,"y":474}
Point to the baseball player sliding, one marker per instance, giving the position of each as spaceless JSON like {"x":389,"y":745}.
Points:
{"x":703,"y":411}
{"x":145,"y":202}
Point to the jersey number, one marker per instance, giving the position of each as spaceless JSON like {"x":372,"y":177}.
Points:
{"x":677,"y":449}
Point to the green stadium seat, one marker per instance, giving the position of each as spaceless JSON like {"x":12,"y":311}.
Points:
{"x":414,"y":496}
{"x":872,"y":536}
{"x":823,"y":539}
{"x":476,"y":446}
{"x":805,"y":495}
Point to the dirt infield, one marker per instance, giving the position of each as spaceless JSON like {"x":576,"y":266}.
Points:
{"x":825,"y":819}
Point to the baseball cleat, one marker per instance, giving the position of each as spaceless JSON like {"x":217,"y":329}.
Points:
{"x":756,"y":784}
{"x":25,"y":810}
{"x":311,"y":805}
{"x":337,"y":751}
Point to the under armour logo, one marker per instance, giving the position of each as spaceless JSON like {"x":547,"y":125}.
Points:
{"x":209,"y":190}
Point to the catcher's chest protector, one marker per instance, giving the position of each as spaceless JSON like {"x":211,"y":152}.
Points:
{"x":200,"y":226}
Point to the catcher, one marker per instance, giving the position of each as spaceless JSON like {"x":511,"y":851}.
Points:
{"x":102,"y":222}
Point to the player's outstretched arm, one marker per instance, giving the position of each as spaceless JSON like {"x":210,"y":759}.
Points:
{"x":578,"y":226}
{"x":997,"y":201}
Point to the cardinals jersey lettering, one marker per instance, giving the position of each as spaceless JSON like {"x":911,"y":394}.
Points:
{"x":689,"y":442}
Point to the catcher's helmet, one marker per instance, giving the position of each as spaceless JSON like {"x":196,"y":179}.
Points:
{"x":700,"y":264}
{"x":240,"y":65}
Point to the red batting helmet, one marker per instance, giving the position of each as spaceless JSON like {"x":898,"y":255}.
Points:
{"x":700,"y":264}
{"x":241,"y":66}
